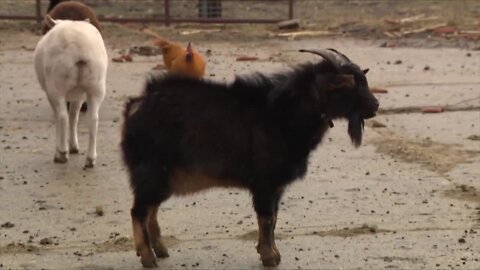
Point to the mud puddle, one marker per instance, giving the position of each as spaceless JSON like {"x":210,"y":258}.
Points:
{"x":343,"y":232}
{"x":434,"y":156}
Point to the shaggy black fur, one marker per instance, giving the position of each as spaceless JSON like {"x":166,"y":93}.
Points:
{"x":257,"y":131}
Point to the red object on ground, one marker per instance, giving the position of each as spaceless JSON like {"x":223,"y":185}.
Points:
{"x":433,"y":109}
{"x":443,"y":30}
{"x":378,"y":90}
{"x":247,"y":58}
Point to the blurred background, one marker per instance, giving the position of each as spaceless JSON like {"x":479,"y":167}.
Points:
{"x":459,"y":19}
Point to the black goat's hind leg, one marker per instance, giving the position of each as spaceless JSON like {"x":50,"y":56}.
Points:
{"x":154,"y":233}
{"x":264,"y":206}
{"x":278,"y":196}
{"x":140,"y":233}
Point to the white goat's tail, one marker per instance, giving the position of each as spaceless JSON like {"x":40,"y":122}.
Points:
{"x":80,"y":65}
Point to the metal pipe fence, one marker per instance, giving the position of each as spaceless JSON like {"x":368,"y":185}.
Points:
{"x":165,"y":11}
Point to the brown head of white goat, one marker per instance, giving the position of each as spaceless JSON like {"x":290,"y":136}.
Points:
{"x":71,"y":65}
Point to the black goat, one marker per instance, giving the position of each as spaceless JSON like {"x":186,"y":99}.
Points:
{"x":184,"y":135}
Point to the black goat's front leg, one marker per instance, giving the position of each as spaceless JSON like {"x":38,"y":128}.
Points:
{"x":265,"y":204}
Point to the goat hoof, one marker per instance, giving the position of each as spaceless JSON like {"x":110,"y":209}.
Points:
{"x":273,"y":262}
{"x":60,"y":157}
{"x":149,"y":262}
{"x":161,"y":251}
{"x":74,"y":150}
{"x":90,"y":163}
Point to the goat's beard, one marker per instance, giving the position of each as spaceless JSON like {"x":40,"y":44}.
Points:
{"x":355,"y":128}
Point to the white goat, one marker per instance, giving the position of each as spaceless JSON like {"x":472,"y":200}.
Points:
{"x":71,"y":64}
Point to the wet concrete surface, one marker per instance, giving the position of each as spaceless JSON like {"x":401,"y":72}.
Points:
{"x":408,"y":198}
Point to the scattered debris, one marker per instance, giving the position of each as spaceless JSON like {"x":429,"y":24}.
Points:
{"x":145,"y":50}
{"x":433,"y":109}
{"x":378,"y":90}
{"x":474,"y":137}
{"x":99,"y":211}
{"x":199,"y":31}
{"x":290,"y":24}
{"x":293,"y":35}
{"x":247,"y":58}
{"x":123,"y":58}
{"x":444,"y":30}
{"x":46,"y":241}
{"x":7,"y":225}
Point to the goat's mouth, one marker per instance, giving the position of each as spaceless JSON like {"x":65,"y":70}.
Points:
{"x":355,"y":128}
{"x":369,"y":115}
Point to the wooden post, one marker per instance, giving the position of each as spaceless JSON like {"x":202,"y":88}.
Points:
{"x":167,"y":12}
{"x":290,"y":9}
{"x":38,"y":12}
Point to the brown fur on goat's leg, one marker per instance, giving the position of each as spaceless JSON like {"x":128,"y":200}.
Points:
{"x":278,"y":196}
{"x":154,"y":233}
{"x":266,"y":207}
{"x":266,"y":245}
{"x":139,"y":215}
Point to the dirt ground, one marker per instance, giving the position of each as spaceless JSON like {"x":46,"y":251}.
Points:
{"x":408,"y":198}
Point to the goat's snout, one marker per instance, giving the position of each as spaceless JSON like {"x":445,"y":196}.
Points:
{"x":371,"y":108}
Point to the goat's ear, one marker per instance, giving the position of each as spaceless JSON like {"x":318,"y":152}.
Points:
{"x":340,"y":81}
{"x":365,"y":71}
{"x":49,"y":21}
{"x":87,"y":20}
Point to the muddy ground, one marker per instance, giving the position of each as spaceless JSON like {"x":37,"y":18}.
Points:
{"x":408,"y":198}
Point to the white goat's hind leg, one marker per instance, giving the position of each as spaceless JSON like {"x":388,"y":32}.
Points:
{"x":93,"y":108}
{"x":73,"y":112}
{"x":61,"y":120}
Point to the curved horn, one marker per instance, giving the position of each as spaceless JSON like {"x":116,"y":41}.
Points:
{"x":339,"y":53}
{"x":329,"y":55}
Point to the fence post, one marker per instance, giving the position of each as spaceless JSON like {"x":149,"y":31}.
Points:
{"x":38,"y":11}
{"x":167,"y":12}
{"x":290,"y":9}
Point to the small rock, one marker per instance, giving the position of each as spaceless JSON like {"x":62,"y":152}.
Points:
{"x":462,"y":240}
{"x":99,"y":210}
{"x":398,"y":62}
{"x":7,"y":225}
{"x":46,"y":241}
{"x":474,"y":137}
{"x":469,"y":55}
{"x":426,"y":68}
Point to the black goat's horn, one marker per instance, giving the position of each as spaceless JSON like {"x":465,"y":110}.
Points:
{"x":339,"y":53}
{"x":331,"y":56}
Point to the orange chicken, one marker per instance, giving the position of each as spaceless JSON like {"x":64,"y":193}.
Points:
{"x":170,"y":51}
{"x":191,"y":63}
{"x":178,"y":59}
